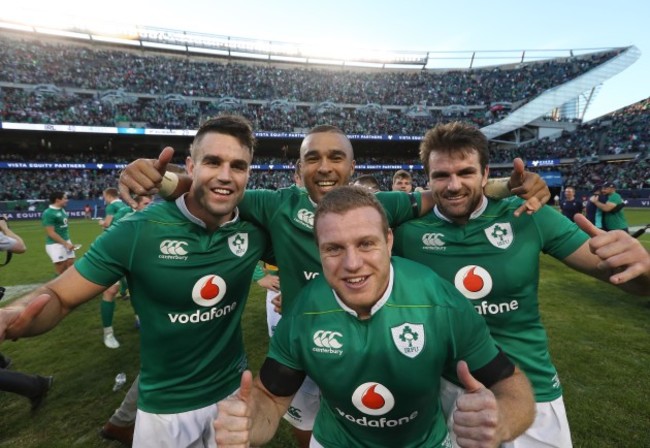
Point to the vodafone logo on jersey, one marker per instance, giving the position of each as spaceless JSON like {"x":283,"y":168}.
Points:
{"x":473,"y":282}
{"x":209,"y":290}
{"x":373,"y":399}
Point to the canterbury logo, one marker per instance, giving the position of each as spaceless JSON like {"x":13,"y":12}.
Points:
{"x":171,"y":247}
{"x":306,"y":217}
{"x":433,"y":239}
{"x":327,"y":339}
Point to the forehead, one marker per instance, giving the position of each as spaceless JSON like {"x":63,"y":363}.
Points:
{"x":325,"y":142}
{"x":349,"y":225}
{"x":221,"y":145}
{"x":445,"y":160}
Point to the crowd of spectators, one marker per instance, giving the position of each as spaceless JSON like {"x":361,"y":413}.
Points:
{"x":82,"y":75}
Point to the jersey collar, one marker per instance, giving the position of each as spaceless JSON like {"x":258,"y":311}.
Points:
{"x":377,"y":306}
{"x":475,"y":214}
{"x":55,"y":208}
{"x":180,"y":203}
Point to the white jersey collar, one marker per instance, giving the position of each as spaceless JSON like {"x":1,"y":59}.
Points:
{"x":377,"y":306}
{"x":475,"y":214}
{"x":182,"y":206}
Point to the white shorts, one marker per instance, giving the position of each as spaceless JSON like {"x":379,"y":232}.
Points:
{"x":550,"y":429}
{"x":192,"y":429}
{"x":272,"y":318}
{"x":58,"y":252}
{"x":304,"y":407}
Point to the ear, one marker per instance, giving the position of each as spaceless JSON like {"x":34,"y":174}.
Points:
{"x":189,"y":165}
{"x":389,"y":241}
{"x":352,"y":167}
{"x":486,"y":175}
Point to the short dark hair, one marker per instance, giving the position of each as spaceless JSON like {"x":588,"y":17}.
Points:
{"x":402,"y":174}
{"x":368,"y":181}
{"x":55,"y":195}
{"x":454,"y":138}
{"x":233,"y":125}
{"x":346,"y":198}
{"x":325,"y":128}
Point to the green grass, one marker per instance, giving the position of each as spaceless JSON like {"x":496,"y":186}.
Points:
{"x":599,"y":336}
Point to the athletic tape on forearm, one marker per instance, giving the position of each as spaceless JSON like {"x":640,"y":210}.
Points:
{"x":168,"y":184}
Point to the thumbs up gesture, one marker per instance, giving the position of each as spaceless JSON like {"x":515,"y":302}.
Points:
{"x":477,"y":415}
{"x":233,"y":423}
{"x":618,"y":251}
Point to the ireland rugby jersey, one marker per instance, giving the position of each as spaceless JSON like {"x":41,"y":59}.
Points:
{"x":380,"y":377}
{"x":189,"y":286}
{"x":493,"y":261}
{"x":57,"y":218}
{"x":113,"y":207}
{"x":121,"y":213}
{"x":615,"y":220}
{"x":288,"y":215}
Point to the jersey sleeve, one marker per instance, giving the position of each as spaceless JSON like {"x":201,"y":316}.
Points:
{"x":399,"y":206}
{"x":257,"y":206}
{"x":47,"y":220}
{"x":107,"y":259}
{"x":284,"y":347}
{"x":560,"y":236}
{"x":470,"y":337}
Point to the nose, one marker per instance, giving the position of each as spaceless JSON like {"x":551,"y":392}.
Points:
{"x":352,"y":261}
{"x":224,"y":173}
{"x":324,"y":166}
{"x":454,"y":183}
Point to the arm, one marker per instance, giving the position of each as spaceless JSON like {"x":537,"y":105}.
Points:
{"x":55,"y":236}
{"x":271,"y":282}
{"x":18,"y":246}
{"x":44,"y":308}
{"x":487,"y":417}
{"x":525,"y":184}
{"x":606,"y":207}
{"x":615,"y":257}
{"x":151,"y":176}
{"x":106,"y":222}
{"x":251,"y":416}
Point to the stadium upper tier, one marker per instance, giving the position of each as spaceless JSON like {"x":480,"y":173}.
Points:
{"x":91,"y":84}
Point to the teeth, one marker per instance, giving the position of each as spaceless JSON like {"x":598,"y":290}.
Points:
{"x":220,"y":191}
{"x":356,"y":280}
{"x":326,"y":184}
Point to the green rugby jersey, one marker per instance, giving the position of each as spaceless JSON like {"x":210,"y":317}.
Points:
{"x":380,"y":377}
{"x":120,"y":213}
{"x":616,"y":220}
{"x":189,"y":287}
{"x":493,"y":261}
{"x":288,"y":216}
{"x":57,"y":218}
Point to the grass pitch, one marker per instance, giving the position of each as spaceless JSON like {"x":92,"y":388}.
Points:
{"x":599,"y":336}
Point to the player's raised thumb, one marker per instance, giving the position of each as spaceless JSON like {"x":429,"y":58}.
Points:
{"x":246,"y":386}
{"x":466,"y":379}
{"x":163,"y":159}
{"x":587,"y":225}
{"x":518,"y":166}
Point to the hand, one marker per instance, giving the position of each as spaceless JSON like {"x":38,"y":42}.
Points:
{"x":477,"y":415}
{"x":3,"y":224}
{"x":271,"y":282}
{"x":68,"y":245}
{"x":144,"y":176}
{"x":14,"y":320}
{"x":232,"y":426}
{"x":593,"y":199}
{"x":529,"y":186}
{"x":277,"y":303}
{"x":618,"y":250}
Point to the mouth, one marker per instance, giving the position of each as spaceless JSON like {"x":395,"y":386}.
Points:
{"x":356,"y":282}
{"x":221,"y":191}
{"x":325,"y":183}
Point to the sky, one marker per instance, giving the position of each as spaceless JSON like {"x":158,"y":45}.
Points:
{"x":416,"y":25}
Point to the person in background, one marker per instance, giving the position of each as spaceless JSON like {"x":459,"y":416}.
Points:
{"x":402,"y":181}
{"x":612,"y":208}
{"x":367,"y":181}
{"x":570,"y":205}
{"x":57,"y":242}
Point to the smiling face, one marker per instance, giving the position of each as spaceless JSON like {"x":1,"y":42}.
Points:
{"x":355,"y":252}
{"x":569,"y":193}
{"x":402,"y":184}
{"x":326,"y":162}
{"x":456,"y":181}
{"x":219,"y":167}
